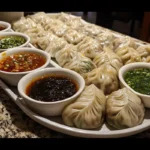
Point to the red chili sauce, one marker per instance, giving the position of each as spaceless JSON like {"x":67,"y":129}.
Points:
{"x":21,"y":62}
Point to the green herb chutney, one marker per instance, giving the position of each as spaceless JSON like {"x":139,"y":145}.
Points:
{"x":139,"y":80}
{"x":11,"y":41}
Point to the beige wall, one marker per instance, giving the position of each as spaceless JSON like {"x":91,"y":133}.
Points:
{"x":10,"y":16}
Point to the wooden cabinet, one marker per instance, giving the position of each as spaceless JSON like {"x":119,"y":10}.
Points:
{"x":145,"y":31}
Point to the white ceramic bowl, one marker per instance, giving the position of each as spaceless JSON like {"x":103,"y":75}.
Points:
{"x":27,"y":38}
{"x":13,"y":78}
{"x":49,"y":108}
{"x":128,"y":67}
{"x":5,"y":24}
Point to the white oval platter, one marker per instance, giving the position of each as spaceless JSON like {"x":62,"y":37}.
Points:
{"x":56,"y":123}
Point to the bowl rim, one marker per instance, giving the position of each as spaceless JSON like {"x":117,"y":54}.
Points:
{"x":25,"y":96}
{"x":45,"y":54}
{"x":7,"y":24}
{"x":130,"y":67}
{"x":25,"y":36}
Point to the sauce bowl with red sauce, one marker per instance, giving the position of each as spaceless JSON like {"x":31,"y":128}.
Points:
{"x":15,"y":63}
{"x":49,"y":90}
{"x":4,"y":26}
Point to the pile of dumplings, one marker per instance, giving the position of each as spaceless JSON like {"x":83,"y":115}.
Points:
{"x":97,"y":55}
{"x":121,"y":109}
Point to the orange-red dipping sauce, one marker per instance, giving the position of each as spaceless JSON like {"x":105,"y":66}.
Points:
{"x":21,"y":62}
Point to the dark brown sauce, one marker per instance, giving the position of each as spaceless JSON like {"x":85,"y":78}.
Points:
{"x":2,"y":27}
{"x":51,"y":88}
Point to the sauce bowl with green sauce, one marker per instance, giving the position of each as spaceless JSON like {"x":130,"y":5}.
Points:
{"x":136,"y":77}
{"x":49,"y":90}
{"x":11,"y":40}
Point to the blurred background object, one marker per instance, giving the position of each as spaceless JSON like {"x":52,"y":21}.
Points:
{"x":28,"y":13}
{"x":134,"y":24}
{"x":10,"y":16}
{"x":145,"y":30}
{"x":109,"y":18}
{"x":129,"y":23}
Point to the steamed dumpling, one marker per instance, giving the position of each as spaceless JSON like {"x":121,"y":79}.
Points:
{"x":37,"y":17}
{"x":41,"y":18}
{"x":105,"y":38}
{"x":124,"y":109}
{"x":90,"y":30}
{"x":87,"y":112}
{"x":59,"y":30}
{"x":57,"y":27}
{"x":108,"y":57}
{"x":64,"y":16}
{"x":66,"y":55}
{"x":24,"y":24}
{"x":104,"y":78}
{"x":71,"y":59}
{"x":73,"y":22}
{"x":73,"y":37}
{"x":53,"y":24}
{"x":34,"y":33}
{"x":55,"y":46}
{"x":51,"y":43}
{"x":89,"y":47}
{"x":80,"y":64}
{"x":128,"y":55}
{"x":43,"y":42}
{"x":124,"y":41}
{"x":144,"y":52}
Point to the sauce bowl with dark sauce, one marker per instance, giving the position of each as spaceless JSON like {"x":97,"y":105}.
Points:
{"x":15,"y":63}
{"x":4,"y":26}
{"x":132,"y":84}
{"x":49,"y":90}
